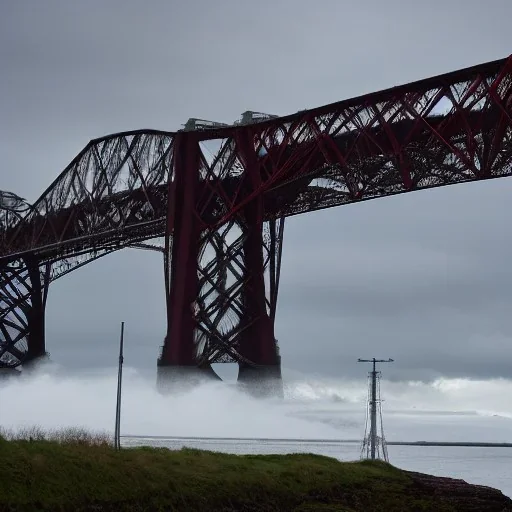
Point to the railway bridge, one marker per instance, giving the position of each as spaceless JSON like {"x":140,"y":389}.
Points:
{"x":213,"y":198}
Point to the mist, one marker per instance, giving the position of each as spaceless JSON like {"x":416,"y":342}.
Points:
{"x":313,"y":407}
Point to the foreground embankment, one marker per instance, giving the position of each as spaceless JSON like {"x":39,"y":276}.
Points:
{"x":79,"y":476}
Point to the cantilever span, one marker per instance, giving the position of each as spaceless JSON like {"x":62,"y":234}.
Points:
{"x":218,"y":197}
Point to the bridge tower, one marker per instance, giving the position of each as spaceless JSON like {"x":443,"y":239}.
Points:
{"x":23,"y":292}
{"x":221,"y":268}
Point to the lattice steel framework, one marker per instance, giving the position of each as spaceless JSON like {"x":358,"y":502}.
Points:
{"x":222,"y":277}
{"x":23,"y":291}
{"x":216,"y":194}
{"x":220,"y":313}
{"x":111,"y":196}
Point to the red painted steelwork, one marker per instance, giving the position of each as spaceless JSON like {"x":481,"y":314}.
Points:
{"x":221,"y":210}
{"x":185,"y":228}
{"x":257,"y":342}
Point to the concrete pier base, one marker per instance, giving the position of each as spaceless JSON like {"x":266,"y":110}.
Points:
{"x":8,"y":373}
{"x":35,"y":363}
{"x":261,"y":381}
{"x":178,"y":379}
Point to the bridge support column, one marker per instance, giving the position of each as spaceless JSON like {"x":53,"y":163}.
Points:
{"x":257,"y":342}
{"x":36,"y":314}
{"x":218,"y":307}
{"x":177,"y":366}
{"x":23,"y":292}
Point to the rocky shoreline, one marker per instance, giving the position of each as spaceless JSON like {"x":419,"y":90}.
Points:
{"x":464,"y":497}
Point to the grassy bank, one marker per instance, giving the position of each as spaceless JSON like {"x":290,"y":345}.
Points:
{"x":87,"y":474}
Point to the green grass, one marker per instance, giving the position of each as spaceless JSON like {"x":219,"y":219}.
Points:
{"x":74,"y":472}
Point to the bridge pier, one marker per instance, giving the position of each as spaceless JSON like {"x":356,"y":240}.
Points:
{"x":257,"y":342}
{"x":217,"y":304}
{"x":261,"y":381}
{"x":24,"y":288}
{"x":171,"y":378}
{"x":36,"y":314}
{"x":177,"y":366}
{"x":8,"y":373}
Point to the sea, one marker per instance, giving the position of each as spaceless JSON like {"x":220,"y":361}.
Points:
{"x":316,"y":415}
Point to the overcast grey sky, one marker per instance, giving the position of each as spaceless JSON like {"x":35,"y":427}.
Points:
{"x":424,"y":278}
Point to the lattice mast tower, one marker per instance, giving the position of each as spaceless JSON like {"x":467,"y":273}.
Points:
{"x":374,"y":445}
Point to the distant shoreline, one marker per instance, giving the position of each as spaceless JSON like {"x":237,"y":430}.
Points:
{"x":476,"y":444}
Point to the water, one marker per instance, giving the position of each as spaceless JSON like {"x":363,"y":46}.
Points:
{"x":313,"y":409}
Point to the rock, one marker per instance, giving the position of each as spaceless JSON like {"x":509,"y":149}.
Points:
{"x":462,"y":496}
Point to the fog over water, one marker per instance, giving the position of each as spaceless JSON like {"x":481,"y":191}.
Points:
{"x":313,"y":407}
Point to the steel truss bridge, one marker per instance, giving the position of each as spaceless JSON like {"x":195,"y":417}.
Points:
{"x":213,"y":199}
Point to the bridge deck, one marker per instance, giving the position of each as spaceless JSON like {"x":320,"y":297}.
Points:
{"x":115,"y":191}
